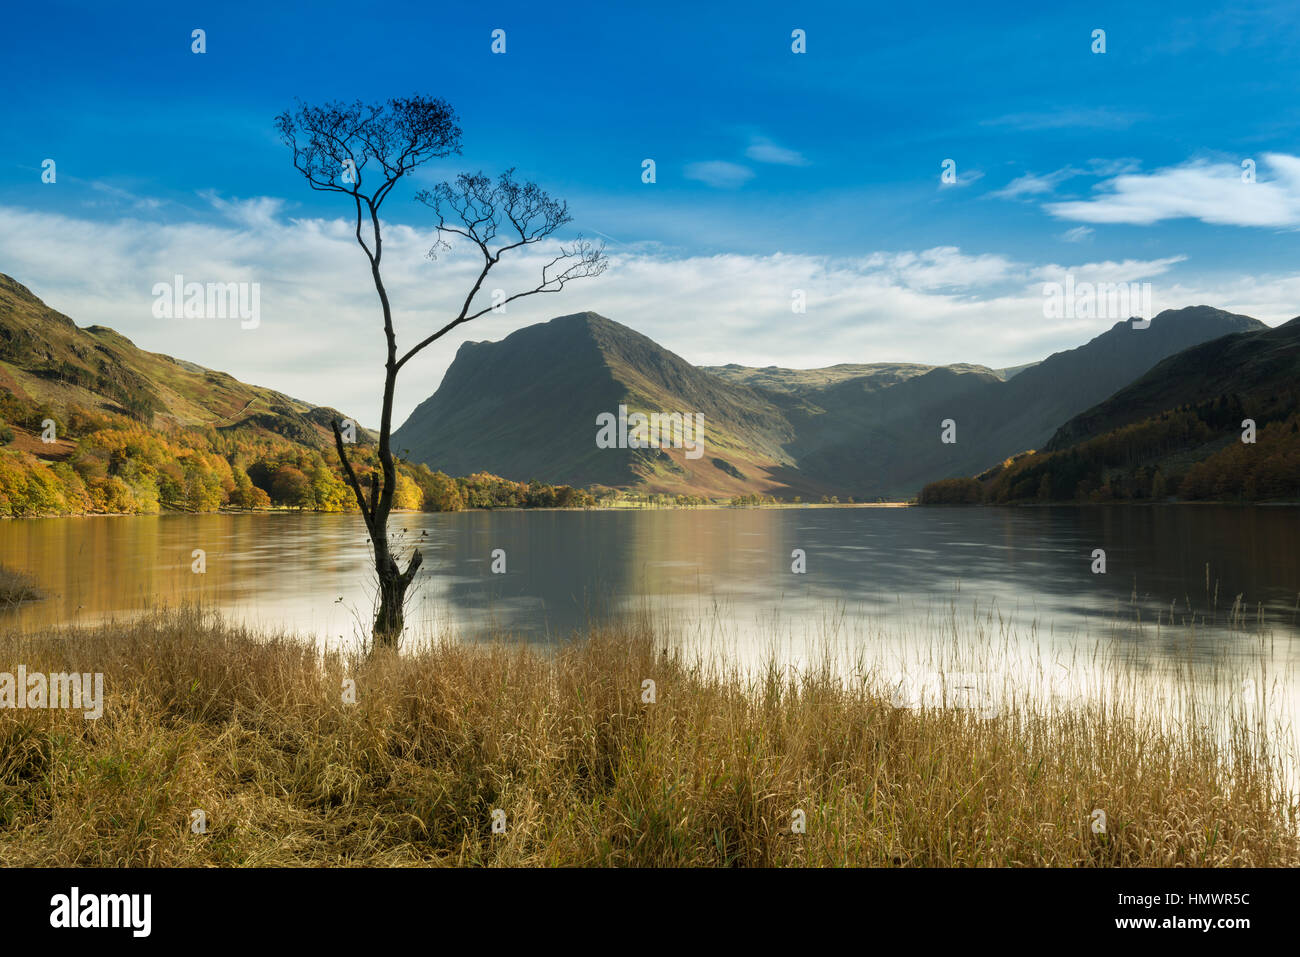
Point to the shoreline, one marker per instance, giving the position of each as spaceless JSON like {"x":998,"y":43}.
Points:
{"x":638,"y":507}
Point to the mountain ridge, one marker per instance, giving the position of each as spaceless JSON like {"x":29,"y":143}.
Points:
{"x":528,"y":406}
{"x":1216,"y":421}
{"x":867,"y":430}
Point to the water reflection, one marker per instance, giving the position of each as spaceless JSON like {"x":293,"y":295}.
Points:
{"x":1199,"y":604}
{"x":308,"y":573}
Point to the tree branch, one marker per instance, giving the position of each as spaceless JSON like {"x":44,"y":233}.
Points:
{"x":475,"y":208}
{"x":348,"y":472}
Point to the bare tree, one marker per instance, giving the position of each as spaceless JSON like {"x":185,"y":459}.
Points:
{"x":362,"y":151}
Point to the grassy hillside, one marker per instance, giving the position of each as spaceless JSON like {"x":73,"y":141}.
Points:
{"x":1256,"y":365}
{"x":1175,"y":432}
{"x":870,"y":376}
{"x":46,"y":359}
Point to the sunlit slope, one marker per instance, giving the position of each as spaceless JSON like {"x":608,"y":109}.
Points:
{"x":47,"y":358}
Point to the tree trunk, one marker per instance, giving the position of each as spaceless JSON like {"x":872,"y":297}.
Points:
{"x":390,"y":619}
{"x":393,"y":582}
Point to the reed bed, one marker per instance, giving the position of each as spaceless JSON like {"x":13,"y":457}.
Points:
{"x":258,"y":732}
{"x":17,"y":586}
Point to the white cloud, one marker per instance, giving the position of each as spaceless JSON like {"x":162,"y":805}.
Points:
{"x":126,"y":196}
{"x":1113,"y":167}
{"x":1129,"y":270}
{"x":320,"y":338}
{"x":1031,"y":184}
{"x":720,"y":173}
{"x":1078,"y":234}
{"x":762,"y":150}
{"x":1212,"y":192}
{"x":964,"y":178}
{"x":943,"y":267}
{"x":258,"y":213}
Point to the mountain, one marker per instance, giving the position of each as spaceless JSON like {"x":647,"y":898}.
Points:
{"x":1178,"y":429}
{"x":1251,"y":365}
{"x":532,"y":406}
{"x":997,"y":419}
{"x":527,"y":406}
{"x":47,"y":359}
{"x":1067,"y":383}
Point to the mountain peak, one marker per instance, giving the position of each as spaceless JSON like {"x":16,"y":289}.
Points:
{"x":527,"y":406}
{"x":588,"y":318}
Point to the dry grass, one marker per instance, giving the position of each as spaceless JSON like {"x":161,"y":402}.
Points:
{"x":253,"y":730}
{"x":16,"y":586}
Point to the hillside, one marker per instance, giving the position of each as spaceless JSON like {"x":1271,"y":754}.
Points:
{"x":1251,"y":365}
{"x":136,"y":431}
{"x":527,"y":406}
{"x":45,"y":358}
{"x":1175,"y":431}
{"x":1003,"y":418}
{"x":872,"y":376}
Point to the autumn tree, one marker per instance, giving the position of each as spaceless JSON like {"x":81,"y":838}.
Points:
{"x":289,"y":486}
{"x":362,"y":151}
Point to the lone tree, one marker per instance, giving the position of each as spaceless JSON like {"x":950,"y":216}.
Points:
{"x":362,"y":151}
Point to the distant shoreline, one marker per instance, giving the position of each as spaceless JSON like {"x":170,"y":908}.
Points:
{"x":629,"y":507}
{"x":645,"y":507}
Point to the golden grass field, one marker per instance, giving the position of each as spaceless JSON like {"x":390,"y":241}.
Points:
{"x":253,"y":730}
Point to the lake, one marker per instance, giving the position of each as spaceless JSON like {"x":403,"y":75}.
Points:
{"x":722,"y":578}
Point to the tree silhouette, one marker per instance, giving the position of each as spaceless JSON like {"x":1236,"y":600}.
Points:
{"x":363,"y":151}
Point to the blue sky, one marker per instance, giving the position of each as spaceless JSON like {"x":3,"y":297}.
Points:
{"x":820,"y":169}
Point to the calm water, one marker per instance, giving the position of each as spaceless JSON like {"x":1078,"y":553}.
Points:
{"x":721,"y":575}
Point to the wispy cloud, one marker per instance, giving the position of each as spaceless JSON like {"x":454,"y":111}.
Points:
{"x":1212,"y":192}
{"x":720,"y":174}
{"x":763,"y":150}
{"x":965,"y":177}
{"x":1086,"y":118}
{"x":258,"y":213}
{"x":127,"y":197}
{"x":1127,"y":270}
{"x":1078,"y":234}
{"x":943,"y":267}
{"x":1031,"y":184}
